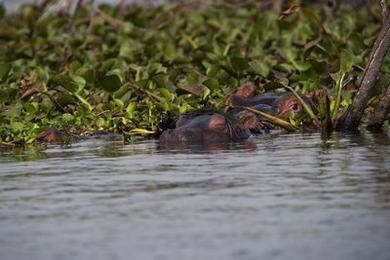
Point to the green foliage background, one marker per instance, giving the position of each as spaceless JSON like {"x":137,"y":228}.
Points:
{"x":119,"y":69}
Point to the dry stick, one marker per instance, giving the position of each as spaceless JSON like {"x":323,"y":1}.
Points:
{"x":120,"y":5}
{"x":43,"y":4}
{"x":381,"y":111}
{"x":65,"y":8}
{"x":351,"y":119}
{"x":274,"y":120}
{"x":78,"y":5}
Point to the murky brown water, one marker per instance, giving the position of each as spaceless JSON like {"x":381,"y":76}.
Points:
{"x":276,"y":197}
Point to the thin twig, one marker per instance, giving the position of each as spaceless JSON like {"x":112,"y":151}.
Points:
{"x":272,"y":119}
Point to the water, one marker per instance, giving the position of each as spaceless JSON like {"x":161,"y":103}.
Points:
{"x":275,"y":197}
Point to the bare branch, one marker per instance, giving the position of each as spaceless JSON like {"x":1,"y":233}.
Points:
{"x":381,"y":112}
{"x":385,"y":11}
{"x":351,"y":119}
{"x":78,"y":5}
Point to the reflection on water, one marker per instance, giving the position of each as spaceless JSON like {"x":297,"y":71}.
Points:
{"x":272,"y":197}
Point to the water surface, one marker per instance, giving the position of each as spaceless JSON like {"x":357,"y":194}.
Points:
{"x":291,"y":196}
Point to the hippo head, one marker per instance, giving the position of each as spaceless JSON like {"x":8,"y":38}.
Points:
{"x":246,"y":96}
{"x":52,"y":135}
{"x":204,"y":126}
{"x":279,"y":105}
{"x":289,"y":103}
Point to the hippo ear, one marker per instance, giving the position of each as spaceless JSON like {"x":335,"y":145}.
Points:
{"x":246,"y":90}
{"x":235,"y":100}
{"x":249,"y":121}
{"x":217,"y":123}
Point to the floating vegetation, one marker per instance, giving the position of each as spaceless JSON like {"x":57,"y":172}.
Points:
{"x":120,"y":68}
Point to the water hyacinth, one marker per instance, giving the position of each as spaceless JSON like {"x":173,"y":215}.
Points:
{"x":122,"y":67}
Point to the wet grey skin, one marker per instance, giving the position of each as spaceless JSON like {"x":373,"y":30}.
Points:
{"x":205,"y":126}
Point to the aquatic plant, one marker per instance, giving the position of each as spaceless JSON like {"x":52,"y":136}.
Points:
{"x":122,"y":67}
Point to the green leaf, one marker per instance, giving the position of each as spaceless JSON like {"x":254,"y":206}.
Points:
{"x":206,"y":93}
{"x":112,"y":81}
{"x":80,"y":81}
{"x":67,"y":117}
{"x":126,"y":49}
{"x":239,"y":64}
{"x":301,"y":65}
{"x":131,"y":108}
{"x":127,"y":27}
{"x":339,"y":78}
{"x":156,"y":68}
{"x":121,"y":92}
{"x":170,"y":51}
{"x":212,"y":84}
{"x":84,"y":102}
{"x":347,"y":60}
{"x":100,"y":122}
{"x":167,"y":94}
{"x":212,"y":71}
{"x":4,"y":70}
{"x":13,"y":111}
{"x":17,"y":126}
{"x":31,"y":107}
{"x":66,"y":82}
{"x":271,"y":86}
{"x":118,"y":102}
{"x":2,"y":11}
{"x":260,"y":68}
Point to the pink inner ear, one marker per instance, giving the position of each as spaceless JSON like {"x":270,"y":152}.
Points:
{"x":249,"y":121}
{"x":217,"y":122}
{"x":246,"y":90}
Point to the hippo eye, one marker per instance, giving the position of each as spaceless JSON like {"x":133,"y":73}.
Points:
{"x":295,"y":107}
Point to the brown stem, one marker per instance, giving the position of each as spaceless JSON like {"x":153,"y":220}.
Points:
{"x":381,"y":111}
{"x":351,"y":119}
{"x":78,"y":4}
{"x":120,"y":6}
{"x":43,"y":4}
{"x":65,"y":8}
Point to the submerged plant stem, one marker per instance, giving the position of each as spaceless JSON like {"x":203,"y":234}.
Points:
{"x":339,"y":88}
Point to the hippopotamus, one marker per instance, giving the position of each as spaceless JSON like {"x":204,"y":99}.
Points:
{"x":56,"y":136}
{"x":207,"y":125}
{"x":278,"y":105}
{"x":52,"y":135}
